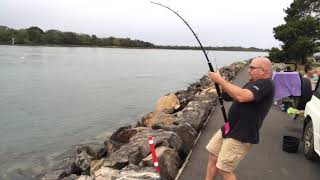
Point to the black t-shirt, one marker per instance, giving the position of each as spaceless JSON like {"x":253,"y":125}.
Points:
{"x":246,"y":118}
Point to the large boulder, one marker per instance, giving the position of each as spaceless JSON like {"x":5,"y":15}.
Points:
{"x":184,"y":131}
{"x":195,"y":113}
{"x":83,"y":161}
{"x":123,"y":134}
{"x":157,"y":117}
{"x":121,"y":137}
{"x":168,"y":102}
{"x":169,"y":162}
{"x":184,"y":98}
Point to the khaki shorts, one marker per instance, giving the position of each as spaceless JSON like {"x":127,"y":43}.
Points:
{"x":229,"y":151}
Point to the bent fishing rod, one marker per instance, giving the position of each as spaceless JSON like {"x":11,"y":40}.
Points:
{"x":226,"y":121}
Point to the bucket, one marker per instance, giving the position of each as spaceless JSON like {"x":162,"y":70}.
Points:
{"x":290,"y":144}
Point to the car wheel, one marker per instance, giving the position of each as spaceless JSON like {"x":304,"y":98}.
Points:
{"x":308,"y":146}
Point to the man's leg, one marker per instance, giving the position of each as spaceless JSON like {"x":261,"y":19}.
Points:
{"x":211,"y":168}
{"x":232,"y":152}
{"x":213,"y":148}
{"x":227,"y":175}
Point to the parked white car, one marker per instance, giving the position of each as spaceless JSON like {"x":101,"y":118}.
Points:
{"x":311,"y":128}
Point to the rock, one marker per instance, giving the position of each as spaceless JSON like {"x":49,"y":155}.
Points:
{"x":167,"y":102}
{"x":120,"y":158}
{"x":72,"y":168}
{"x":208,"y":97}
{"x":205,"y":82}
{"x":184,"y":98}
{"x":95,"y":150}
{"x":135,"y":173}
{"x":95,"y":165}
{"x":83,"y":161}
{"x":71,"y":177}
{"x":169,"y":162}
{"x":195,"y":113}
{"x":227,"y":73}
{"x":211,"y":90}
{"x":160,"y":137}
{"x":184,"y":131}
{"x":187,"y":134}
{"x":167,"y":127}
{"x":105,"y":173}
{"x":122,"y":135}
{"x":138,"y":147}
{"x":194,"y":87}
{"x":130,"y":172}
{"x":157,"y":117}
{"x":83,"y":177}
{"x":112,"y":146}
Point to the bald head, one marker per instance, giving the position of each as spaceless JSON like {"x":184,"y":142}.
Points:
{"x":260,"y":68}
{"x":265,"y":63}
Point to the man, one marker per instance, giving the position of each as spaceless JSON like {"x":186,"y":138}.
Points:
{"x":251,"y":105}
{"x":311,"y":75}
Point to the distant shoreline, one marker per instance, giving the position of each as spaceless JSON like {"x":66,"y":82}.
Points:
{"x":53,"y":45}
{"x":35,"y":36}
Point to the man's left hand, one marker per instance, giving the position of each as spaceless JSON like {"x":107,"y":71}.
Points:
{"x":215,"y":77}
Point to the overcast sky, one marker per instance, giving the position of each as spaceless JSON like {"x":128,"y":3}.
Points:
{"x":247,"y":23}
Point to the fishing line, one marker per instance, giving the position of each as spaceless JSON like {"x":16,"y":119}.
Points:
{"x":226,"y":124}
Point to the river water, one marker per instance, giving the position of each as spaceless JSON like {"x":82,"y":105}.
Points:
{"x":54,"y":97}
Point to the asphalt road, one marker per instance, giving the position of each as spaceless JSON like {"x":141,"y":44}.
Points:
{"x":266,"y":161}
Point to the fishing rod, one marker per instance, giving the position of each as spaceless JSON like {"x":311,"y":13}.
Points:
{"x":226,"y":121}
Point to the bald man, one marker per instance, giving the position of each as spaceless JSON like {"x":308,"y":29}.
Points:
{"x":251,"y":104}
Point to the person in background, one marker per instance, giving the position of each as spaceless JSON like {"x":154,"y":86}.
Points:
{"x":251,"y":104}
{"x":317,"y":75}
{"x":310,"y":74}
{"x":318,"y":72}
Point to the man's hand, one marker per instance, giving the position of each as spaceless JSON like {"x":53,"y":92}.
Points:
{"x":215,"y":77}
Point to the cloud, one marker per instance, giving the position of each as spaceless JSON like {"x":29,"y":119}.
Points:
{"x":218,"y":23}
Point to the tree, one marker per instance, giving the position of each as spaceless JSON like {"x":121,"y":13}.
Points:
{"x":36,"y":35}
{"x":54,"y":37}
{"x":276,"y":55}
{"x":71,"y":38}
{"x":22,"y":37}
{"x":6,"y":34}
{"x":303,"y":8}
{"x":301,"y":32}
{"x":85,"y":39}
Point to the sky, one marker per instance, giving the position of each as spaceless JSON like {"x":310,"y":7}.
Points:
{"x":246,"y":23}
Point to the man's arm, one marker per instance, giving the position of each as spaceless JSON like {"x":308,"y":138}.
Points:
{"x":237,"y":93}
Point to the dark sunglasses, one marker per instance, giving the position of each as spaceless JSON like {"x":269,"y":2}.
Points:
{"x":254,"y":67}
